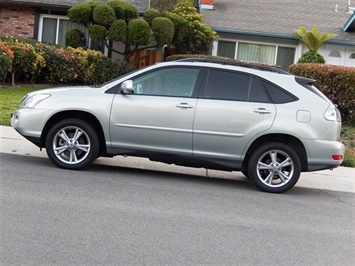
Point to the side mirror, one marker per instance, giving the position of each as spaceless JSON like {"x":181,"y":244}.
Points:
{"x":127,"y":87}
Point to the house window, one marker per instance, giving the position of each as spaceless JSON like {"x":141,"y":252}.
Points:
{"x":254,"y":52}
{"x":352,"y":56}
{"x":52,"y":29}
{"x":226,"y":49}
{"x":285,"y":56}
{"x":334,"y":54}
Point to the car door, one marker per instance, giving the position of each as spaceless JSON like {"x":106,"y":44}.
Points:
{"x":158,"y":116}
{"x":233,"y":108}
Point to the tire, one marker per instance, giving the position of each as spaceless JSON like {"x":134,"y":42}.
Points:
{"x":72,"y":144}
{"x":274,"y":167}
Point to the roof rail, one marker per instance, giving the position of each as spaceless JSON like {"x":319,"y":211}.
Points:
{"x":237,"y":63}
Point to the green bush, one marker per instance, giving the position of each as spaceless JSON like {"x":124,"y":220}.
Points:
{"x":56,"y":65}
{"x":311,"y":57}
{"x":336,"y":82}
{"x":75,"y":38}
{"x":138,"y":32}
{"x":151,"y":14}
{"x":82,"y":13}
{"x":5,"y":66}
{"x":124,"y":9}
{"x":103,"y":15}
{"x":163,"y":30}
{"x":181,"y":29}
{"x":118,"y":31}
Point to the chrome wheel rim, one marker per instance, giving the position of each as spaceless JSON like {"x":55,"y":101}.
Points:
{"x":275,"y":168}
{"x":71,"y":145}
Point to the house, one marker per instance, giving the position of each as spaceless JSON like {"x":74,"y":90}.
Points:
{"x":44,"y":20}
{"x":257,"y":30}
{"x":262,"y":31}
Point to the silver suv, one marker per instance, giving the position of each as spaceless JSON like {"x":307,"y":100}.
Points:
{"x":194,"y":112}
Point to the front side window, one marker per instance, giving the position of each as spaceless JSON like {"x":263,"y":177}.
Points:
{"x":178,"y":82}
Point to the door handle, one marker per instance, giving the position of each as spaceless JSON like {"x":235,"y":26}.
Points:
{"x":184,"y":106}
{"x":262,"y":111}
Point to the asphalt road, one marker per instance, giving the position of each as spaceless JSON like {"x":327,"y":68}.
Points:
{"x":109,"y":215}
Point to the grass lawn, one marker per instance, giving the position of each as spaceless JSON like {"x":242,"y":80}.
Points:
{"x":11,"y":98}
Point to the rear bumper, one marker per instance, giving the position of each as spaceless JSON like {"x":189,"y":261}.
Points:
{"x":320,"y":154}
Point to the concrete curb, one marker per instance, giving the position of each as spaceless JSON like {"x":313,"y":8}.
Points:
{"x":340,"y":179}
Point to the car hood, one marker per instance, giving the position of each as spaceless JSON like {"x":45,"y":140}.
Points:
{"x":61,"y":90}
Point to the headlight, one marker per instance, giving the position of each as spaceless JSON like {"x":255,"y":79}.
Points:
{"x":33,"y":100}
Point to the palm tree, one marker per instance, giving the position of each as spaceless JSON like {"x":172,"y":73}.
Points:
{"x":313,"y":39}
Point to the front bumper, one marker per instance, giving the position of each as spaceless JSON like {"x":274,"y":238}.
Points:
{"x":30,"y":123}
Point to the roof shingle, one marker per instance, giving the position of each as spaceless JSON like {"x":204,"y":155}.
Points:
{"x":142,"y":5}
{"x":280,"y":17}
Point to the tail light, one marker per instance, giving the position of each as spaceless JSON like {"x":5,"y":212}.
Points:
{"x":332,"y":114}
{"x":337,"y":157}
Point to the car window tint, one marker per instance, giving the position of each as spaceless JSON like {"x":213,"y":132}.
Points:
{"x":257,"y":92}
{"x":277,"y":94}
{"x":227,"y":85}
{"x":167,"y":82}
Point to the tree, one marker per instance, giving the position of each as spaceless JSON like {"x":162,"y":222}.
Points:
{"x":163,"y":5}
{"x":197,"y":36}
{"x":313,"y":39}
{"x":117,"y":21}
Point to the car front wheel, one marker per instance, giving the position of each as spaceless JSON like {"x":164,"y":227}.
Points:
{"x":274,"y":167}
{"x":72,"y":144}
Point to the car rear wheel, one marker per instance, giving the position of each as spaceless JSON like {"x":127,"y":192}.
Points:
{"x":274,"y":167}
{"x":72,"y":144}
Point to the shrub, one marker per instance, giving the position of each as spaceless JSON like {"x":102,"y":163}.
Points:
{"x":118,"y":31}
{"x":57,"y":65}
{"x":6,"y":57}
{"x":336,"y":82}
{"x":151,"y":14}
{"x":82,"y":13}
{"x":138,"y":32}
{"x":124,"y":9}
{"x":311,"y":57}
{"x":5,"y":66}
{"x":103,"y":15}
{"x":75,"y":38}
{"x":163,"y":29}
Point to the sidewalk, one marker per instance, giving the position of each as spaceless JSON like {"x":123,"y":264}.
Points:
{"x":340,"y":179}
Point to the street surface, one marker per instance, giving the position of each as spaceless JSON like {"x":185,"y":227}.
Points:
{"x":109,"y":214}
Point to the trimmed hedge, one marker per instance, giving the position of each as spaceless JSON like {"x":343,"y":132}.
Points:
{"x":26,"y":61}
{"x":336,"y":82}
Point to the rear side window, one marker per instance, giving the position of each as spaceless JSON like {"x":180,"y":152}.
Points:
{"x":257,"y":92}
{"x":227,"y":85}
{"x":277,"y":94}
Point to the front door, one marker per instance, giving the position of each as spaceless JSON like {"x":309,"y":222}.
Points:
{"x":158,"y":116}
